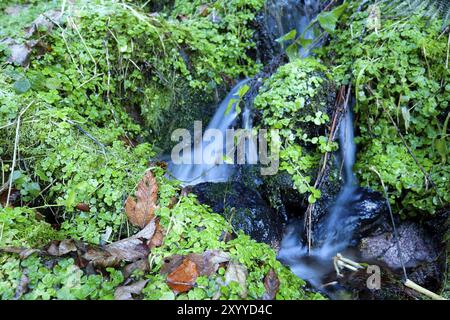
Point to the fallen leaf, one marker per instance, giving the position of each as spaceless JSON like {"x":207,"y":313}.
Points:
{"x":141,"y":265}
{"x":83,"y":207}
{"x":60,"y":248}
{"x":22,"y":287}
{"x":183,"y":278}
{"x":45,"y":21}
{"x":140,"y":209}
{"x":101,"y":259}
{"x":237,"y":273}
{"x":207,"y":263}
{"x":210,"y":261}
{"x":272,"y":284}
{"x":158,"y":237}
{"x":126,"y":292}
{"x":135,"y":247}
{"x":22,"y":252}
{"x":20,"y":52}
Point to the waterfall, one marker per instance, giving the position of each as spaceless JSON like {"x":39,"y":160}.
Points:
{"x":313,"y":265}
{"x":213,"y":168}
{"x":283,"y":16}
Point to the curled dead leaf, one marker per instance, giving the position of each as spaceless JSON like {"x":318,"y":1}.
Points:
{"x":183,"y":278}
{"x":135,"y":247}
{"x":127,"y":292}
{"x":272,"y":284}
{"x":237,"y":273}
{"x":158,"y":237}
{"x":60,"y":248}
{"x":140,"y":208}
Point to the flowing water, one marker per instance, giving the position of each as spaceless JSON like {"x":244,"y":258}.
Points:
{"x":316,"y":264}
{"x":213,"y":167}
{"x":282,"y":16}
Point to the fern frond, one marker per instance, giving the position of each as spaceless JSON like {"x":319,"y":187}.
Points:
{"x":430,"y":9}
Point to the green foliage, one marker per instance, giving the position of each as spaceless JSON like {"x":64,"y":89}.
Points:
{"x":400,"y":80}
{"x":290,"y":102}
{"x":63,"y":280}
{"x":194,"y":228}
{"x":124,"y":60}
{"x":326,"y":20}
{"x":67,"y":167}
{"x":20,"y":227}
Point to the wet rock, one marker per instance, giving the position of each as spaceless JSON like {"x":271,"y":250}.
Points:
{"x":370,"y":213}
{"x":416,"y":246}
{"x":364,"y":212}
{"x":244,"y":207}
{"x":281,"y":194}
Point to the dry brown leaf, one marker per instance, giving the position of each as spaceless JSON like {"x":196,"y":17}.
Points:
{"x":183,"y":278}
{"x":158,"y":237}
{"x":45,"y":21}
{"x":142,"y":265}
{"x":237,"y":273}
{"x":272,"y":284}
{"x":22,"y":252}
{"x":126,"y":292}
{"x":140,"y":209}
{"x":83,"y":207}
{"x":101,"y":259}
{"x":135,"y":247}
{"x":60,"y":248}
{"x":207,"y":263}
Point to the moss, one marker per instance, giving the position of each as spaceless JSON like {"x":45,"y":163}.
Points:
{"x":294,"y":101}
{"x":400,"y":82}
{"x":77,"y":138}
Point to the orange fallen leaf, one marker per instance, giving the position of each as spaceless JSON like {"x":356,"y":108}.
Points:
{"x":183,"y":278}
{"x":140,"y":209}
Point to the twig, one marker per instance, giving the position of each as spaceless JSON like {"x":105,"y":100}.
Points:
{"x":341,"y":106}
{"x":412,"y":285}
{"x":87,"y":134}
{"x":16,"y":145}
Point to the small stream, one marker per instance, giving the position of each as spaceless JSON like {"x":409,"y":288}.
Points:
{"x":213,"y":167}
{"x":282,"y":16}
{"x":314,"y":266}
{"x":353,"y":209}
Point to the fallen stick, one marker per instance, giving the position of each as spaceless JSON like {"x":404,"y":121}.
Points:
{"x":412,"y":285}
